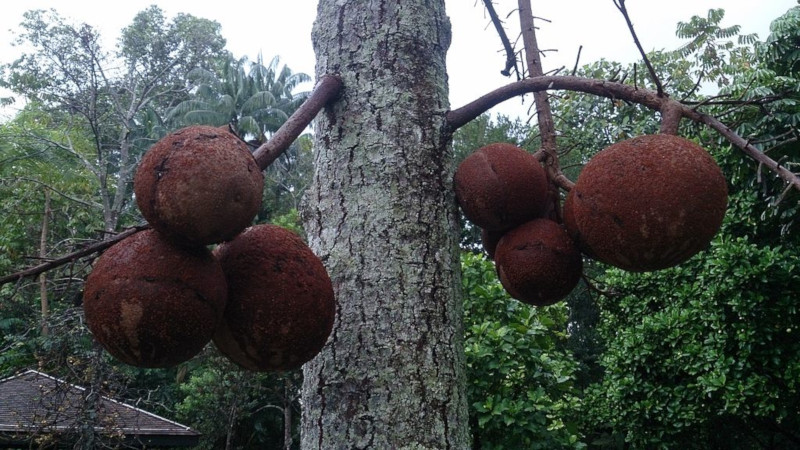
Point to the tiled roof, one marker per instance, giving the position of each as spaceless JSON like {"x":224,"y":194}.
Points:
{"x":33,"y":402}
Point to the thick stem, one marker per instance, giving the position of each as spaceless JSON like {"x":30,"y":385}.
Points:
{"x":327,"y":89}
{"x":43,"y":254}
{"x":671,"y":114}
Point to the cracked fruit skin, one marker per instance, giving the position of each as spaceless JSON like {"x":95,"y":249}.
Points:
{"x":151,"y":303}
{"x":500,"y":186}
{"x":647,"y":203}
{"x":538,"y":263}
{"x":199,"y":185}
{"x":281,"y":304}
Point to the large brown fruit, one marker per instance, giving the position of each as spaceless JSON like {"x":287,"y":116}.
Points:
{"x":280,"y":303}
{"x":538,"y":263}
{"x":152,"y":304}
{"x":199,"y":185}
{"x":500,"y":186}
{"x":647,"y":203}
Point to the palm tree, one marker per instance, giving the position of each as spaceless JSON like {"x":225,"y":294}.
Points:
{"x":253,"y":99}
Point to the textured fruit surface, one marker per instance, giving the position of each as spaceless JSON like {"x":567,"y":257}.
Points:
{"x":500,"y":186}
{"x":152,"y":304}
{"x":647,"y":203}
{"x":199,"y":185}
{"x":280,"y":302}
{"x":538,"y":263}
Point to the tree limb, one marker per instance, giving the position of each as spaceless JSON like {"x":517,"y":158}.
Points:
{"x":650,"y":99}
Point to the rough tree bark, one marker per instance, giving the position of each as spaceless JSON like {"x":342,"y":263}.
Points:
{"x":381,"y":215}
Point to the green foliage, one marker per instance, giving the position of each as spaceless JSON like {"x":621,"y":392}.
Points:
{"x":704,"y":354}
{"x":238,"y":409}
{"x":520,"y":379}
{"x":254,"y":99}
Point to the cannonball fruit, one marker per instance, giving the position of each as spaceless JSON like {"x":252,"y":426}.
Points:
{"x":199,"y":185}
{"x":150,"y":303}
{"x":538,"y":263}
{"x":280,"y":301}
{"x":500,"y":186}
{"x":647,"y":203}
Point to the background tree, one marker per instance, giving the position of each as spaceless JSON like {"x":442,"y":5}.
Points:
{"x":254,"y":99}
{"x":69,"y":71}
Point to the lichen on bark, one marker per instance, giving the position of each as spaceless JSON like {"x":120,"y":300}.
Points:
{"x":381,"y":215}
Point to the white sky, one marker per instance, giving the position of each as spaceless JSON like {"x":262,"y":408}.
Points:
{"x":283,"y":28}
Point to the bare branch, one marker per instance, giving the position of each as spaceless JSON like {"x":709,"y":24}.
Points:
{"x":511,"y":59}
{"x":577,"y":60}
{"x":620,"y":4}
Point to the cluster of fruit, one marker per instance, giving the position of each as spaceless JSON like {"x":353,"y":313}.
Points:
{"x":643,"y":204}
{"x":156,"y":298}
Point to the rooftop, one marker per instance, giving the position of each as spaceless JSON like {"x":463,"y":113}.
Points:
{"x":34,"y":404}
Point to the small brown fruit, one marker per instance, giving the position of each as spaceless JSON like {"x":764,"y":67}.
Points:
{"x":538,"y":263}
{"x":199,"y":185}
{"x":500,"y":186}
{"x":280,"y":303}
{"x":152,"y":304}
{"x":647,"y":203}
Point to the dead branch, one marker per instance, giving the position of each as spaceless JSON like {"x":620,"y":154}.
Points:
{"x":511,"y":59}
{"x":620,"y":4}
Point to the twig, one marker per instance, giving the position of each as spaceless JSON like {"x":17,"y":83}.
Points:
{"x":620,"y":4}
{"x":511,"y":59}
{"x":326,"y":90}
{"x":577,"y":60}
{"x":88,"y":250}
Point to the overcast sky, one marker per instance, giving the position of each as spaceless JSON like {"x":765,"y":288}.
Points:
{"x":283,"y":28}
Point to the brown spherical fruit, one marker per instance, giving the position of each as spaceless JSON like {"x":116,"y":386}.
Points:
{"x":199,"y":185}
{"x":152,"y":304}
{"x":538,"y":263}
{"x":500,"y":186}
{"x":648,"y":203}
{"x":280,"y":300}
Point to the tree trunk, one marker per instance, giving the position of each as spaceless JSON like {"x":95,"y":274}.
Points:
{"x":45,"y":303}
{"x":382,"y":216}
